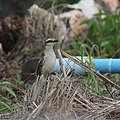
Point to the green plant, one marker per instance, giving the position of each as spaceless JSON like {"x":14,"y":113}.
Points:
{"x":104,"y":31}
{"x":91,"y":83}
{"x":5,"y":102}
{"x":18,"y":81}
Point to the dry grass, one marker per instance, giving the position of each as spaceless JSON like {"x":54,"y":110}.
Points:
{"x":64,"y":98}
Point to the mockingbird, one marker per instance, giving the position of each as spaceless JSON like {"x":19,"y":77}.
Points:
{"x":45,"y":65}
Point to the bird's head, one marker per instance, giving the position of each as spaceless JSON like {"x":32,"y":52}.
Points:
{"x":49,"y":43}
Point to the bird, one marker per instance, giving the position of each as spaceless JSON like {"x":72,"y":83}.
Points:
{"x":44,"y":66}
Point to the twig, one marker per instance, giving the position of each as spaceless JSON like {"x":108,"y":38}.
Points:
{"x":84,"y":104}
{"x":34,"y":104}
{"x":61,"y":63}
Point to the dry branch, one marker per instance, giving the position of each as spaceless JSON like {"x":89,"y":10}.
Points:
{"x":61,"y":63}
{"x":92,"y":71}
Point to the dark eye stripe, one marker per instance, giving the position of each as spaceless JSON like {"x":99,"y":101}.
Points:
{"x":51,"y":41}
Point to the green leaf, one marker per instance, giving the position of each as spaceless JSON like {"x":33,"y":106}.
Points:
{"x":5,"y":105}
{"x":5,"y":83}
{"x":4,"y":99}
{"x":104,"y":43}
{"x":85,"y":22}
{"x":10,"y":91}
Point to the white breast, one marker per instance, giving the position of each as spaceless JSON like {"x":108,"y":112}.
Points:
{"x":49,"y":62}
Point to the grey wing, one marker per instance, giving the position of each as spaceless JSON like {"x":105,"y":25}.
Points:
{"x":40,"y":64}
{"x":29,"y":68}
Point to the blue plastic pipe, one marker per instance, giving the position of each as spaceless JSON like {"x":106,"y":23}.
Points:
{"x":100,"y":65}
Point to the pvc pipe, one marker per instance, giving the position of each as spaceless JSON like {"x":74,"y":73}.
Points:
{"x":107,"y":65}
{"x":100,"y":65}
{"x":70,"y":64}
